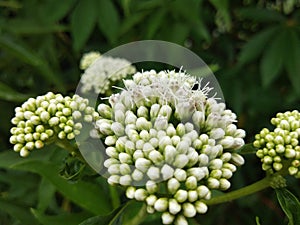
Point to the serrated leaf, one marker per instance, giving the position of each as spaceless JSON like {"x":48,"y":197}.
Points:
{"x":254,"y":47}
{"x":272,"y":60}
{"x":260,"y":15}
{"x":9,"y":94}
{"x":110,"y":219}
{"x":291,"y":63}
{"x":108,"y":19}
{"x":83,"y":20}
{"x":289,"y":204}
{"x":22,"y":213}
{"x":70,"y":218}
{"x":87,"y":195}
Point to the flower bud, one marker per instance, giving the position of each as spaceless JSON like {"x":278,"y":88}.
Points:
{"x":153,"y":173}
{"x":110,"y":140}
{"x":224,"y":184}
{"x":191,"y":182}
{"x":156,"y":157}
{"x":161,"y":205}
{"x":189,"y":210}
{"x":137,"y":175}
{"x":167,"y":172}
{"x":180,"y":161}
{"x":125,"y":158}
{"x":201,"y":207}
{"x":202,"y":191}
{"x":173,"y":185}
{"x":151,"y":186}
{"x":213,"y":183}
{"x":180,"y":129}
{"x":140,"y":194}
{"x":154,"y":110}
{"x":117,"y":128}
{"x":125,"y":180}
{"x":180,"y":175}
{"x":167,"y":218}
{"x":217,"y":133}
{"x":237,"y":159}
{"x":180,"y":220}
{"x":196,"y":172}
{"x":114,"y":179}
{"x":151,"y":199}
{"x":182,"y":147}
{"x":192,"y":195}
{"x":216,"y":164}
{"x":227,"y":142}
{"x":181,"y":195}
{"x":130,"y":191}
{"x":164,"y":142}
{"x":142,"y":164}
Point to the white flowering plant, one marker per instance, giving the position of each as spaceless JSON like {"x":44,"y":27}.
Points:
{"x":161,"y":145}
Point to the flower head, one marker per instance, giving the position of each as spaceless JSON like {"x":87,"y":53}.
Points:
{"x":88,"y":58}
{"x":177,"y":144}
{"x":279,"y":149}
{"x":102,"y":71}
{"x":48,"y":117}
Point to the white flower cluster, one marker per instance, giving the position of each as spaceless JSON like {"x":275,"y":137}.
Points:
{"x":87,"y":59}
{"x":102,"y":71}
{"x":168,"y":144}
{"x":279,"y":149}
{"x":45,"y":118}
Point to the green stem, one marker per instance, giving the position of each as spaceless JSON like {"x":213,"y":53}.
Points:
{"x":248,"y":190}
{"x":139,"y":217}
{"x":65,"y":144}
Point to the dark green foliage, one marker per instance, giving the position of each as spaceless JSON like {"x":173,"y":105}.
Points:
{"x":255,"y":45}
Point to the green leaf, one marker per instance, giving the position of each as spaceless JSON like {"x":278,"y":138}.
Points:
{"x":247,"y":149}
{"x":46,"y":192}
{"x":133,"y":20}
{"x":87,"y":195}
{"x":108,"y":19}
{"x":9,"y":94}
{"x":222,"y":7}
{"x":83,"y":20}
{"x":290,"y":205}
{"x":260,"y":15}
{"x":70,"y":218}
{"x":291,"y":63}
{"x":29,"y":57}
{"x":254,"y":47}
{"x":155,"y":23}
{"x":272,"y":60}
{"x":111,"y":219}
{"x":16,"y":211}
{"x":55,"y":10}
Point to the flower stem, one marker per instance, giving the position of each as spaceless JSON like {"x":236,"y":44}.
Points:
{"x":248,"y":190}
{"x":70,"y":148}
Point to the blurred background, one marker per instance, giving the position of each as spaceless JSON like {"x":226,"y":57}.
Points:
{"x":253,"y":47}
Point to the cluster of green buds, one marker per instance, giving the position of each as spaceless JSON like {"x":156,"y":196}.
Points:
{"x":101,"y":72}
{"x":279,"y":150}
{"x":168,"y":144}
{"x":48,"y":118}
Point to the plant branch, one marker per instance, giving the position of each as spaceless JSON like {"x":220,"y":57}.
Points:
{"x":248,"y":190}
